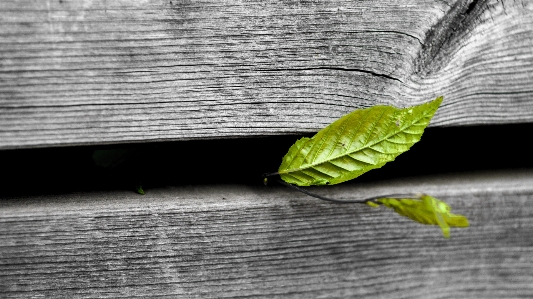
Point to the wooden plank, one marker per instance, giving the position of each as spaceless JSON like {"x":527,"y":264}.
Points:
{"x":220,"y":241}
{"x":94,"y":72}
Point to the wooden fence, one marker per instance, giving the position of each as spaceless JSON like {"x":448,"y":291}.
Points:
{"x":107,"y":72}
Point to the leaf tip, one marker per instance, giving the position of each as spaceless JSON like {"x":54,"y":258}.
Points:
{"x":372,"y":204}
{"x":446,"y":232}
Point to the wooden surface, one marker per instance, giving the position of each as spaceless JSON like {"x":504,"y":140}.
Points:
{"x":93,"y":72}
{"x":236,"y":241}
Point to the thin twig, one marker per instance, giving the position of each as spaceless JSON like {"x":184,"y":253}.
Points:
{"x":364,"y":200}
{"x":267,"y":174}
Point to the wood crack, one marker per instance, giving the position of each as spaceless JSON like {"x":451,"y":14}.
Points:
{"x":334,"y":69}
{"x":446,"y":35}
{"x":471,"y":7}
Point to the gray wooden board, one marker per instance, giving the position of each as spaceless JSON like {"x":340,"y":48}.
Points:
{"x":94,"y":72}
{"x":233,"y":241}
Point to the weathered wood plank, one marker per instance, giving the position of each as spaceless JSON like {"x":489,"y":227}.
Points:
{"x":269,"y":242}
{"x":86,"y":72}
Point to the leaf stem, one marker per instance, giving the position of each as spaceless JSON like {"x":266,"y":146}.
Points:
{"x":267,"y":174}
{"x":364,"y":200}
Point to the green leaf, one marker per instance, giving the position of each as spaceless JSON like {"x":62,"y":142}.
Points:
{"x":426,"y":210}
{"x":139,"y":189}
{"x":360,"y":141}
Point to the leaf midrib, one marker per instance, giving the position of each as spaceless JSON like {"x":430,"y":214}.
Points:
{"x":360,"y":149}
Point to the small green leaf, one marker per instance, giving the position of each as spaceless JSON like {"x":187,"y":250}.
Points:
{"x":360,"y":141}
{"x":426,"y":210}
{"x":139,"y":189}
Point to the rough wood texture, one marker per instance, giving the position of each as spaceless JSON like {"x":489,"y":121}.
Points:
{"x":96,"y":71}
{"x":269,"y":242}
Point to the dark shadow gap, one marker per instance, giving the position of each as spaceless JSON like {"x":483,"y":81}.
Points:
{"x":242,"y":161}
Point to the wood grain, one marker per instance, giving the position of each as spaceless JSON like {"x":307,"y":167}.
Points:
{"x":269,"y":242}
{"x":94,"y":71}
